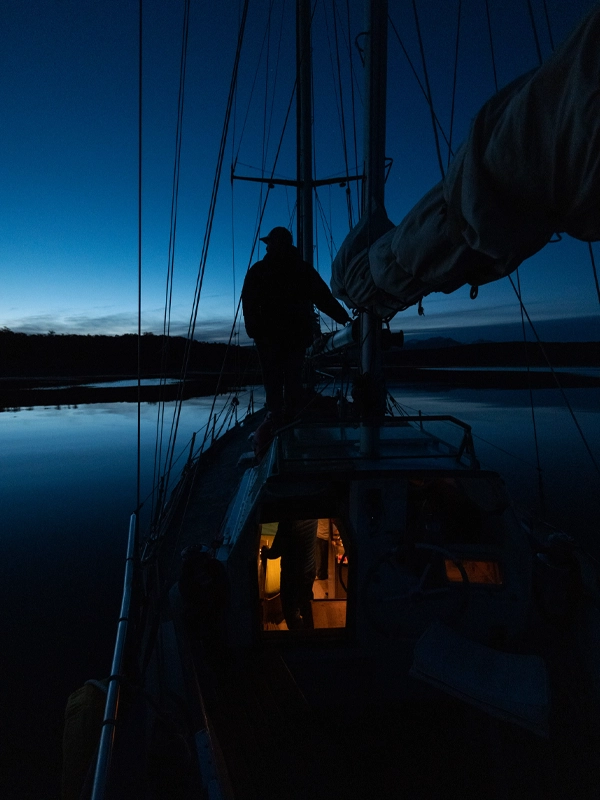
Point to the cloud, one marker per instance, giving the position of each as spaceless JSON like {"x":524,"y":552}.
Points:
{"x":499,"y":323}
{"x":217,"y":329}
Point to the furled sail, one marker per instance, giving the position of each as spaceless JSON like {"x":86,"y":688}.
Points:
{"x":529,"y":167}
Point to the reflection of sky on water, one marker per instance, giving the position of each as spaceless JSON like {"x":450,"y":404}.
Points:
{"x":67,"y":489}
{"x":75,"y":459}
{"x":119,"y":384}
{"x":504,"y":441}
{"x":593,"y":372}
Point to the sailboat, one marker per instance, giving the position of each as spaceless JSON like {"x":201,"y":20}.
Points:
{"x":454,"y":644}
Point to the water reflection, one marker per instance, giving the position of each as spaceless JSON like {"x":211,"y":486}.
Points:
{"x":67,"y":488}
{"x":504,"y":441}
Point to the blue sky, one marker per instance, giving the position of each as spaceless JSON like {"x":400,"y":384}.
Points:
{"x":68,"y":249}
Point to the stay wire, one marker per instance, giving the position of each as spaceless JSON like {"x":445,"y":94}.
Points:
{"x":208,"y":230}
{"x":557,"y":381}
{"x":428,"y":87}
{"x":491,"y":38}
{"x":548,"y":25}
{"x":261,"y":214}
{"x":454,"y":83}
{"x":593,"y":260}
{"x":535,"y":33}
{"x":421,"y":87}
{"x":254,"y":82}
{"x":532,"y":406}
{"x":353,"y":103}
{"x":342,"y":116}
{"x":171,"y":250}
{"x":139,"y":331}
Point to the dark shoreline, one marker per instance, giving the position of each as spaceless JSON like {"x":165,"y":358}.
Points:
{"x":26,"y":392}
{"x":58,"y":391}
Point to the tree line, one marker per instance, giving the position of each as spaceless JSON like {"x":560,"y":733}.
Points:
{"x":73,"y":355}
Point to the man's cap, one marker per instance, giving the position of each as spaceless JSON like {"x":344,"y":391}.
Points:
{"x":278,"y":235}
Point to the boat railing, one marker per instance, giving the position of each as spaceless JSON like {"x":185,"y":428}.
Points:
{"x":109,"y":723}
{"x":290,"y":451}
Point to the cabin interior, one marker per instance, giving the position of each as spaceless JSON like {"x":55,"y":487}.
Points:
{"x":329,"y":587}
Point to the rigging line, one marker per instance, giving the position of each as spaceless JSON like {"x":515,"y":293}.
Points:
{"x":254,"y":82}
{"x":532,"y":406}
{"x":172,"y":238}
{"x":340,"y":89}
{"x":426,"y":75}
{"x":422,"y":88}
{"x":353,"y":103}
{"x":535,"y":33}
{"x":139,"y":333}
{"x":592,"y":259}
{"x":557,"y":381}
{"x":454,"y":82}
{"x":266,"y":125}
{"x":326,"y":226}
{"x":208,"y":230}
{"x":254,"y":244}
{"x":266,"y":94}
{"x":489,"y":24}
{"x":548,"y":25}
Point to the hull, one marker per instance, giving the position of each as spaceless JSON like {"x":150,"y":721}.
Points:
{"x":416,"y":680}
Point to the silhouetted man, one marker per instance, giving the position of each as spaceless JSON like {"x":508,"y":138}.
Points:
{"x":277,"y":300}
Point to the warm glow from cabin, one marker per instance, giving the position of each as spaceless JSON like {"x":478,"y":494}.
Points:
{"x":328,"y":592}
{"x":477,"y":571}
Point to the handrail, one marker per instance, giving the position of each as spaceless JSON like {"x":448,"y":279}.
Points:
{"x":107,"y":737}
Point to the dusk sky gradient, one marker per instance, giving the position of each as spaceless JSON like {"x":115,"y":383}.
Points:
{"x":68,"y":249}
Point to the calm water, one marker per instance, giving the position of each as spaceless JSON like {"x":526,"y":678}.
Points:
{"x":67,"y":488}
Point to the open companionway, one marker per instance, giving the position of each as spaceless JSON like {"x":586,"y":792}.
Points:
{"x":302,"y":575}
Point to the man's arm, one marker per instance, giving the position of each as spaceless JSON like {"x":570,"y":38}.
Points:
{"x":324,"y":300}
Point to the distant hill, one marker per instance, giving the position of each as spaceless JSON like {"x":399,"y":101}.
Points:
{"x":75,"y":356}
{"x":429,"y":344}
{"x":496,"y":354}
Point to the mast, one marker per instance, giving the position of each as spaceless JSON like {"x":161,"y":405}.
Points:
{"x":373,"y":195}
{"x":304,"y":174}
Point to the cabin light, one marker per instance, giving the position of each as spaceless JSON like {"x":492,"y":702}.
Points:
{"x":477,"y":571}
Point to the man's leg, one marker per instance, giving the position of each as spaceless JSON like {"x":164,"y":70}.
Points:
{"x":293,"y":363}
{"x":273,"y":377}
{"x":306,"y":606}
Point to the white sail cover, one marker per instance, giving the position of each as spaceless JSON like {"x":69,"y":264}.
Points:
{"x":530,"y":167}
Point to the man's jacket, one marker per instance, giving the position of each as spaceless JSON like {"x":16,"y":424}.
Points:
{"x":278,"y":298}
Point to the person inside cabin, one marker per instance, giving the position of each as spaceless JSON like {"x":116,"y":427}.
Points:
{"x":295,"y":543}
{"x":278,"y":299}
{"x":323,"y":549}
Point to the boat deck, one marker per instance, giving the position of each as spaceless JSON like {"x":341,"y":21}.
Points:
{"x":286,"y":730}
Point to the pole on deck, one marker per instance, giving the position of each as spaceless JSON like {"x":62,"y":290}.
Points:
{"x":304,"y":172}
{"x":374,"y":195}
